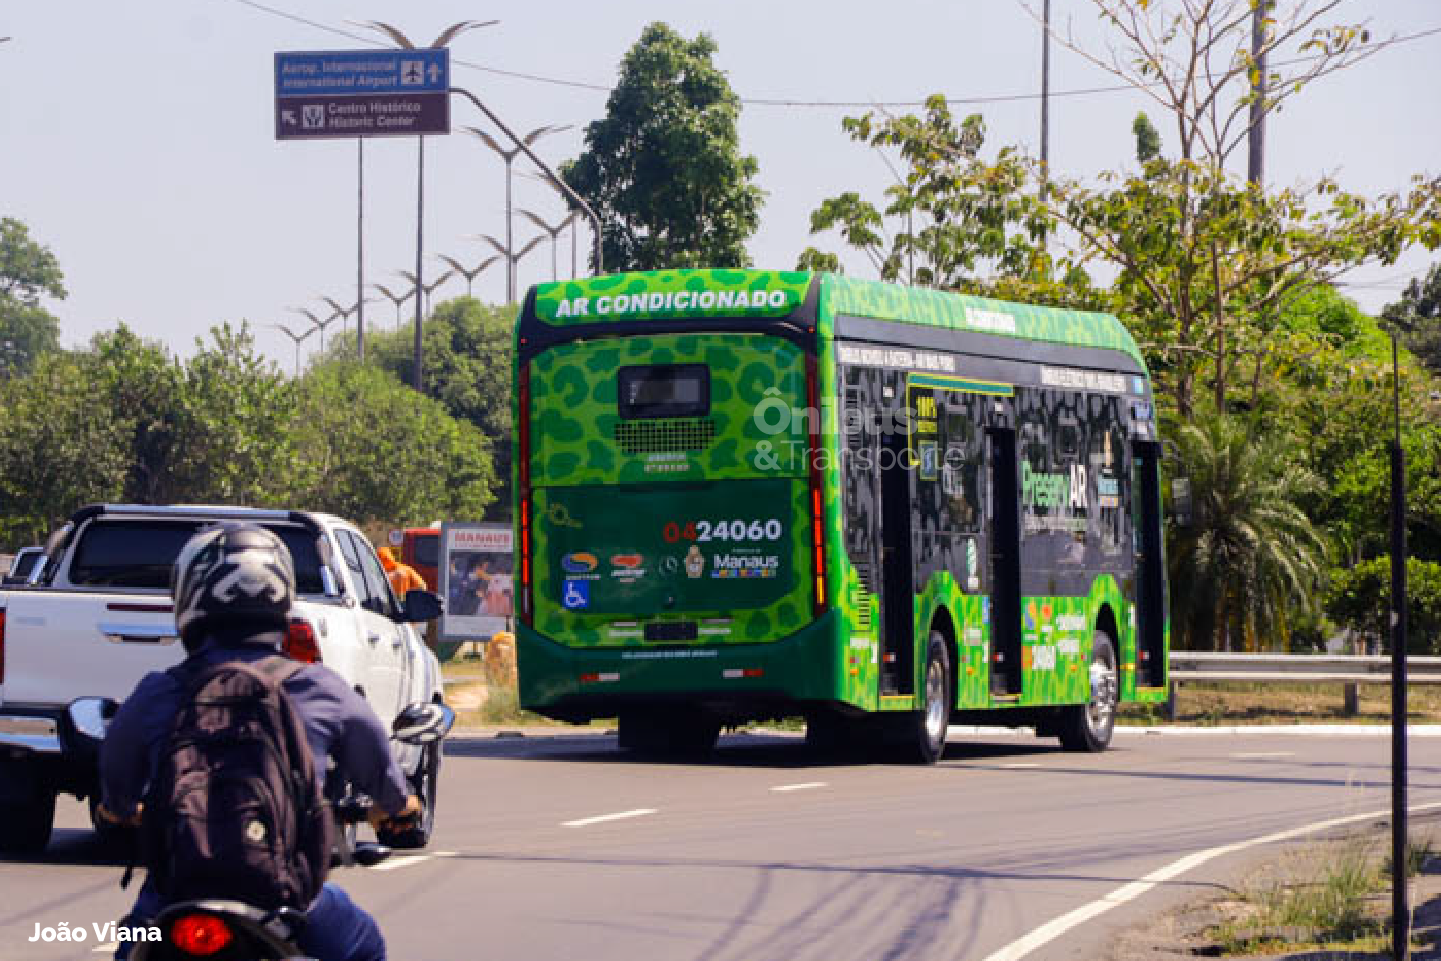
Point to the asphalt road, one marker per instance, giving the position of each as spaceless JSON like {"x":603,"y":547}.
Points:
{"x":563,"y":847}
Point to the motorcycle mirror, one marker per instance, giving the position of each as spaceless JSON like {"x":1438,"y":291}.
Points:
{"x":423,"y":722}
{"x":90,"y":716}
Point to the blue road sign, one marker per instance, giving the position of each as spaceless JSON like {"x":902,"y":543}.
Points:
{"x":361,"y":93}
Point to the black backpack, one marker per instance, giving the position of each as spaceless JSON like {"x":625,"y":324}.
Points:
{"x":234,"y":809}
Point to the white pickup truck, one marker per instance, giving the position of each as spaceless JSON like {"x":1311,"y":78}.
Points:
{"x":100,"y":618}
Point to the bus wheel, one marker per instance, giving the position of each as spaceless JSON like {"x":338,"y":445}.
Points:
{"x":927,"y":737}
{"x":668,"y":732}
{"x":1088,"y":727}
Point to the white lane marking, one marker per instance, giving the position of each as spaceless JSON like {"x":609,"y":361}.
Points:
{"x":1252,"y":755}
{"x":1342,"y":730}
{"x":1053,"y":929}
{"x":582,"y":822}
{"x":799,"y":787}
{"x":407,"y":860}
{"x":1019,"y":766}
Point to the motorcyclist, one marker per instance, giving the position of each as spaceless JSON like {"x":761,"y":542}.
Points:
{"x":233,"y":587}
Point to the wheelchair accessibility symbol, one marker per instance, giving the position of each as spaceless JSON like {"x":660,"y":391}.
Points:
{"x":575,"y":595}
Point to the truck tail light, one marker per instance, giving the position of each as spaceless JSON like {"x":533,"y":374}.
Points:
{"x":300,"y":643}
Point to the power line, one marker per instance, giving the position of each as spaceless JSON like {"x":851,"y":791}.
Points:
{"x":783,"y":101}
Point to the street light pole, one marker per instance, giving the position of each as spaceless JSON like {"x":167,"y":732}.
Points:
{"x":405,"y":43}
{"x":555,"y":180}
{"x":509,"y":157}
{"x":554,"y":231}
{"x":512,"y":256}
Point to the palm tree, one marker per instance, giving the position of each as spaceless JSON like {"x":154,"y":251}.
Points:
{"x":1251,"y":557}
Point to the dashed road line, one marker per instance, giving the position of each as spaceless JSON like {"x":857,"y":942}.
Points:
{"x":1257,"y":755}
{"x":582,"y":822}
{"x":408,"y":860}
{"x":806,"y":786}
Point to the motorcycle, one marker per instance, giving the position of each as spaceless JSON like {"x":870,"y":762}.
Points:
{"x":219,"y":930}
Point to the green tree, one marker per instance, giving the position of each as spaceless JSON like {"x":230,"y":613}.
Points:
{"x":1250,"y":556}
{"x":60,"y":448}
{"x":28,"y":271}
{"x":961,"y":221}
{"x":376,"y":451}
{"x":467,"y":350}
{"x":212,"y":429}
{"x":1417,"y":315}
{"x":1148,"y":139}
{"x":1360,"y":599}
{"x":663,"y":169}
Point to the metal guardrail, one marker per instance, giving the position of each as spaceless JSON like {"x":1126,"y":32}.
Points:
{"x":1342,"y":668}
{"x":1349,"y":670}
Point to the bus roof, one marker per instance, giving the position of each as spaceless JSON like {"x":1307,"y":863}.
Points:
{"x":757,"y":294}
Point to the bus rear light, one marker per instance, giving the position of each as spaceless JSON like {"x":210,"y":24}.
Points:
{"x":300,"y":643}
{"x":527,"y":587}
{"x":813,"y":458}
{"x":736,"y":673}
{"x":599,"y":678}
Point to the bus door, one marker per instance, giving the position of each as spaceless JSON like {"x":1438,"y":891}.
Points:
{"x":1150,"y":568}
{"x":897,"y":570}
{"x":1003,"y":557}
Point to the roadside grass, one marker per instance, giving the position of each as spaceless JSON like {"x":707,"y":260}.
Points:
{"x":1329,"y":896}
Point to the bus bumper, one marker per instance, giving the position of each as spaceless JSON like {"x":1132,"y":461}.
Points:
{"x":733,"y":680}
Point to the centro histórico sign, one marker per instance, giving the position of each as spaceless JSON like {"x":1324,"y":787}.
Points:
{"x":362,"y":93}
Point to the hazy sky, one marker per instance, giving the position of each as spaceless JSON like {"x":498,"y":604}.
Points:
{"x":138,"y":138}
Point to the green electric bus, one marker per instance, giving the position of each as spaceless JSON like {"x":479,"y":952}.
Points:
{"x":747,"y":494}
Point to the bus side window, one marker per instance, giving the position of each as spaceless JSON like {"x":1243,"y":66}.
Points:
{"x":961,"y":470}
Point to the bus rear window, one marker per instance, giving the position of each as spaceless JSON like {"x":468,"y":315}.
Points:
{"x":664,"y":390}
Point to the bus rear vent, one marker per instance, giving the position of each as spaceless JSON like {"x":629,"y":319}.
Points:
{"x":664,"y":436}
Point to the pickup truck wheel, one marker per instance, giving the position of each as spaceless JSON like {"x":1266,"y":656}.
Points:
{"x":424,"y":782}
{"x":25,"y":825}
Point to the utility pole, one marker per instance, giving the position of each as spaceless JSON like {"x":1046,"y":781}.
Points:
{"x":360,"y":248}
{"x":1400,"y":911}
{"x":1046,"y":99}
{"x":1256,"y":137}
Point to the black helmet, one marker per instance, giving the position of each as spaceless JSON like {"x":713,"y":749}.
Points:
{"x":235,"y":572}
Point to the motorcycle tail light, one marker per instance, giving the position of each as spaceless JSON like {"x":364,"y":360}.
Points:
{"x":201,"y":935}
{"x":300,"y":643}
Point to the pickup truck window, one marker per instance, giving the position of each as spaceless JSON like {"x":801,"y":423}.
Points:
{"x":140,"y":553}
{"x":372,"y":588}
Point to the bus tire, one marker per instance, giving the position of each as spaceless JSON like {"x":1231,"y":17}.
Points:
{"x":1089,"y":726}
{"x":926,"y":740}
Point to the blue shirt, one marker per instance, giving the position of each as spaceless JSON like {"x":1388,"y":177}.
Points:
{"x":338,"y":724}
